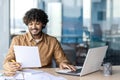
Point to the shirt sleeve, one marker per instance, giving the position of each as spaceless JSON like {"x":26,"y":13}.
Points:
{"x":59,"y":54}
{"x":10,"y":55}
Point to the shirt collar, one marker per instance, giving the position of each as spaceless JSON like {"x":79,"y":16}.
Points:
{"x":30,"y":38}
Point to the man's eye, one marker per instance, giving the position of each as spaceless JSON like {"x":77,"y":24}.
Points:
{"x":37,"y":23}
{"x":30,"y":23}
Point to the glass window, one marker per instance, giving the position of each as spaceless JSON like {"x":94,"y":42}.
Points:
{"x":72,"y":21}
{"x":80,"y":19}
{"x":101,"y":15}
{"x":18,"y":9}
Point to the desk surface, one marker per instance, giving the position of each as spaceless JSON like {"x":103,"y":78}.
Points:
{"x":93,"y":76}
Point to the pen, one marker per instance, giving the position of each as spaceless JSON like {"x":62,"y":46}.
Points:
{"x":14,"y":61}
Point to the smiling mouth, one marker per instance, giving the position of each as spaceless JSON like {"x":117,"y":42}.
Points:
{"x":34,"y":31}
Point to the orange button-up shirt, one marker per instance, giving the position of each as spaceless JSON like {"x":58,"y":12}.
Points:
{"x":48,"y":46}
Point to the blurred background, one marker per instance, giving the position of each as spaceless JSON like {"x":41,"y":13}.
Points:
{"x":77,"y":24}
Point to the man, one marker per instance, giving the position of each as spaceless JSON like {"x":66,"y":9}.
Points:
{"x":36,"y":20}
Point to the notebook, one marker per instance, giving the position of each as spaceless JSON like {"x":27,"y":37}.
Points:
{"x":92,"y":62}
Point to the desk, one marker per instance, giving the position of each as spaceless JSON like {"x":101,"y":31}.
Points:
{"x":93,"y":76}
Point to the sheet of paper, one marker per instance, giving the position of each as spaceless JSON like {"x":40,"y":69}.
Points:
{"x":44,"y":76}
{"x":31,"y":71}
{"x":1,"y":76}
{"x":28,"y":56}
{"x":37,"y":75}
{"x":17,"y":76}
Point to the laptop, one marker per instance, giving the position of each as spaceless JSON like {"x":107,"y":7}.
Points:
{"x":92,"y":62}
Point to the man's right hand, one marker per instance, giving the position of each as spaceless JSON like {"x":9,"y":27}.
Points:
{"x":11,"y":68}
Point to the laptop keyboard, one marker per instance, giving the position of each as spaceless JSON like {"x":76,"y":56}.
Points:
{"x":77,"y":71}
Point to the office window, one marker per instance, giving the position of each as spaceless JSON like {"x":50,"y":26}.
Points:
{"x":17,"y":11}
{"x":101,"y":16}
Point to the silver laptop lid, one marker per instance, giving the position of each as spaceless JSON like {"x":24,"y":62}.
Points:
{"x":93,"y":60}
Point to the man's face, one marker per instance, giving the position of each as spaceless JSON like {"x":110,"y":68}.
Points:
{"x":35,"y":27}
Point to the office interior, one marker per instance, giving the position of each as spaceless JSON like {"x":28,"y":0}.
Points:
{"x":77,"y":24}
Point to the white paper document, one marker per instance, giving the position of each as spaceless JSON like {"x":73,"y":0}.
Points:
{"x":28,"y":56}
{"x":43,"y":76}
{"x":31,"y":71}
{"x":34,"y":75}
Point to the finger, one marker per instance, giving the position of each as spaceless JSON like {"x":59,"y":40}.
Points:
{"x":9,"y":73}
{"x":15,"y":65}
{"x":12,"y":68}
{"x":73,"y":68}
{"x":68,"y":67}
{"x":60,"y":66}
{"x":63,"y":66}
{"x":19,"y":65}
{"x":9,"y":66}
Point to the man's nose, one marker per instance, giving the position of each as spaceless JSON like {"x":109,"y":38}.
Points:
{"x":34,"y":26}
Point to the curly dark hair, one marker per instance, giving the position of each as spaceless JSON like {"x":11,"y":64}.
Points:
{"x":35,"y":14}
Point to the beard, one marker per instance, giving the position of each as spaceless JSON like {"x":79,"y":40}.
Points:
{"x":35,"y":32}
